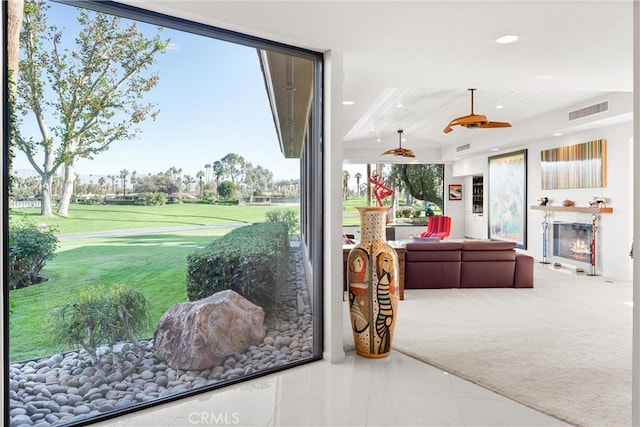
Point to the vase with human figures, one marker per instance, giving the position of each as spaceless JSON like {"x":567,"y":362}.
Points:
{"x":372,"y":281}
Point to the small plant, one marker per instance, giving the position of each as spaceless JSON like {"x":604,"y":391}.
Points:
{"x":101,"y":315}
{"x":30,"y":247}
{"x":286,"y":216}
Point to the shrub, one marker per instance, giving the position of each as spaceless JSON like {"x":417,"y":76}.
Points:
{"x":287,"y":216}
{"x":154,"y":198}
{"x":210,"y":195}
{"x":30,"y":247}
{"x":101,"y":315}
{"x":250,"y":260}
{"x":227,"y":190}
{"x":403,"y":212}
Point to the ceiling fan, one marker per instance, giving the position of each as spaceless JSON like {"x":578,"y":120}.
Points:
{"x":400,"y":151}
{"x":473,"y":121}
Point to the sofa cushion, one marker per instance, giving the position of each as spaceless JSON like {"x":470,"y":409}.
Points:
{"x":524,"y":271}
{"x":483,"y":245}
{"x":433,"y":246}
{"x":488,"y":251}
{"x":433,"y":252}
{"x":432,"y":275}
{"x":487,"y":274}
{"x":425,"y":239}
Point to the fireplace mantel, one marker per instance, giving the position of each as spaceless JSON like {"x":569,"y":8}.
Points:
{"x":572,"y":209}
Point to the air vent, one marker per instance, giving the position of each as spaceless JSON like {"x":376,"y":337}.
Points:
{"x":463,"y":147}
{"x":587,"y":111}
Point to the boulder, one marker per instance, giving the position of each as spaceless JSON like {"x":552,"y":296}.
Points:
{"x":201,"y":334}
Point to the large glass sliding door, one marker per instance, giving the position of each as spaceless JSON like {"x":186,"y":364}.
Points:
{"x":164,"y":217}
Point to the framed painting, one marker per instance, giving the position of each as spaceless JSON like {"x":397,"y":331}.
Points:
{"x":575,"y":166}
{"x":508,"y":197}
{"x":455,"y":192}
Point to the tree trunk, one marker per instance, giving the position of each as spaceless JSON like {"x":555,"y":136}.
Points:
{"x":45,"y":202}
{"x":67,"y":190}
{"x":15,"y":12}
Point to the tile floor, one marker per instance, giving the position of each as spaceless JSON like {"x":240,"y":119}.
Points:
{"x":395,"y":391}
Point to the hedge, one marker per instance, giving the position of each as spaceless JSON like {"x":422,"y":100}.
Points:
{"x":250,"y":260}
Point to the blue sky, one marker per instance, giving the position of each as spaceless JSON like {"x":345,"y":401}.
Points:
{"x":212,"y":102}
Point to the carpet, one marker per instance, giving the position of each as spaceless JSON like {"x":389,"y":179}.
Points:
{"x":562,"y":348}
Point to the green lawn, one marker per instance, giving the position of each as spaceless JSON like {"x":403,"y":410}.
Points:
{"x":350,"y":215}
{"x":153,"y":264}
{"x":88,"y":218}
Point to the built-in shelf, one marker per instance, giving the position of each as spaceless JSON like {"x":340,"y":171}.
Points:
{"x":478,"y":195}
{"x":572,"y":209}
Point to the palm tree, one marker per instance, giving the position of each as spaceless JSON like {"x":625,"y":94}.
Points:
{"x":218,"y":171}
{"x":134,"y":177}
{"x":207,"y":169}
{"x":358,"y":177}
{"x":101,"y":183}
{"x":112,"y":178}
{"x":345,"y":183}
{"x":123,"y":175}
{"x":200,"y":175}
{"x":187,"y":181}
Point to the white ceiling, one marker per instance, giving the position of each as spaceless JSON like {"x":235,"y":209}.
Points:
{"x":426,"y":54}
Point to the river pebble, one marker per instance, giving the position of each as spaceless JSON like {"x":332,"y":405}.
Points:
{"x":66,"y":388}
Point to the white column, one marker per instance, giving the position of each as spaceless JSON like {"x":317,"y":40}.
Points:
{"x":332,"y":147}
{"x":635,"y":394}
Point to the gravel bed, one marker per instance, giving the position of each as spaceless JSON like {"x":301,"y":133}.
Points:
{"x":67,"y":388}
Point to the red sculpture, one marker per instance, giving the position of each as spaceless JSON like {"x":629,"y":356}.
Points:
{"x":380,"y":189}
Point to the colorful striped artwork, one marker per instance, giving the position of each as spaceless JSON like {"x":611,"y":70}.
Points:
{"x":575,"y":166}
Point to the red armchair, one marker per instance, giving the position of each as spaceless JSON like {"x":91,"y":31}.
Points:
{"x":438,"y":226}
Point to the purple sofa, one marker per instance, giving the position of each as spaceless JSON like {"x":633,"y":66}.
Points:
{"x":472,"y":264}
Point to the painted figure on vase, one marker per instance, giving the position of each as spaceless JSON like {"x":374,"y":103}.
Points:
{"x":385,"y":309}
{"x":358,"y":290}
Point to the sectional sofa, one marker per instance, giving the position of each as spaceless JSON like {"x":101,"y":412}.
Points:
{"x":469,"y":264}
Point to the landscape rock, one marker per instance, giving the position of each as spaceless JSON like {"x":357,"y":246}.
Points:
{"x":201,"y":334}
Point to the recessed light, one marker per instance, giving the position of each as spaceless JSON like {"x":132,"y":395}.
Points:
{"x":494,"y":149}
{"x":456,"y":158}
{"x":399,"y":104}
{"x":509,"y":38}
{"x":348,"y":102}
{"x":378,"y":140}
{"x":499,"y":106}
{"x":557,"y":134}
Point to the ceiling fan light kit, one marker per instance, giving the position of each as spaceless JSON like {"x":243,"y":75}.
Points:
{"x":400,"y":151}
{"x":473,"y":121}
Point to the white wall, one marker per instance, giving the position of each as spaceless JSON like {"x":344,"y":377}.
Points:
{"x":455,"y":208}
{"x":614,"y":233}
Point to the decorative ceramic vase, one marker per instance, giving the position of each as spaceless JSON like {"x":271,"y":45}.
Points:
{"x":373,"y":285}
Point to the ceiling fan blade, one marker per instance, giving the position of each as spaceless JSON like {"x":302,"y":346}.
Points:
{"x":495,"y":125}
{"x":400,"y":152}
{"x":472,"y":121}
{"x":406,"y":153}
